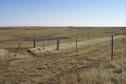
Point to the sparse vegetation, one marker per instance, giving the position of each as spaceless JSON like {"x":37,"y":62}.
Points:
{"x":49,"y":66}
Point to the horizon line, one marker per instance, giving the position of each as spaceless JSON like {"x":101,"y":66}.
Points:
{"x":56,"y":26}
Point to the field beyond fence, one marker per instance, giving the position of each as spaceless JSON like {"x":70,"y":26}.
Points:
{"x":63,"y":56}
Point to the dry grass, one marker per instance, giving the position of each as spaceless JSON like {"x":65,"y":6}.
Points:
{"x":91,"y":66}
{"x":83,"y":34}
{"x":94,"y":76}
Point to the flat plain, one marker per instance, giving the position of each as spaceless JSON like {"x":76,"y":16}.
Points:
{"x":84,"y":58}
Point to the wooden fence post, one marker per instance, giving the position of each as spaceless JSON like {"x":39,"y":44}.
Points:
{"x":112,"y":47}
{"x":19,"y":45}
{"x":34,"y":43}
{"x":58,"y":44}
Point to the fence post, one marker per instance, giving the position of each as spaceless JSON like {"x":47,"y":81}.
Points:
{"x":34,"y":43}
{"x":19,"y":45}
{"x":43,"y":45}
{"x":112,"y":49}
{"x":48,"y":42}
{"x":88,"y":36}
{"x":76,"y":46}
{"x":58,"y":44}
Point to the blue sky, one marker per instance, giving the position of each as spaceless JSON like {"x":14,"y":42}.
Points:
{"x":62,"y":12}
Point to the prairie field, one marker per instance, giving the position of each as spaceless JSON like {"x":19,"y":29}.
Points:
{"x":85,"y":57}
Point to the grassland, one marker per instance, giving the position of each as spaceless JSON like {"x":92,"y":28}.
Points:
{"x":92,"y":65}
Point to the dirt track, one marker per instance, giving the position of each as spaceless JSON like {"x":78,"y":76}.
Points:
{"x":83,"y":43}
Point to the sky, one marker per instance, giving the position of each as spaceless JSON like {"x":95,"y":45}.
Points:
{"x":62,"y":12}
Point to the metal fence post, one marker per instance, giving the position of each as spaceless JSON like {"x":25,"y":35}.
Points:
{"x":112,"y":47}
{"x":43,"y":45}
{"x":76,"y":46}
{"x":34,"y":43}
